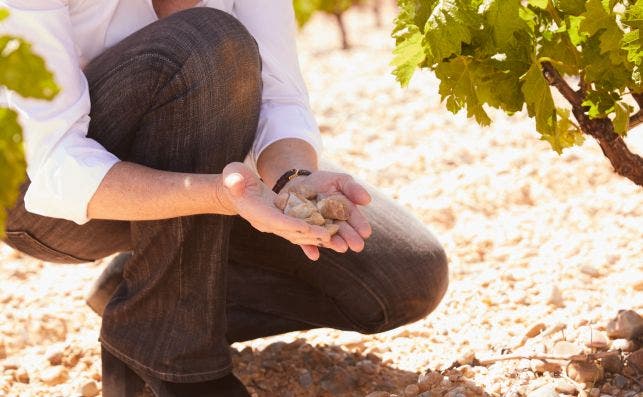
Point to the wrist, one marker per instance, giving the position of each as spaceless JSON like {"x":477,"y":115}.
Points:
{"x":288,"y":176}
{"x":221,"y":199}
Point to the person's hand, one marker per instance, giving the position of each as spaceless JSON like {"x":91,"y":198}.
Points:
{"x":356,"y":229}
{"x":243,"y":193}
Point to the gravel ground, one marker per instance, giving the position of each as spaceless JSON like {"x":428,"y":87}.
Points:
{"x":543,"y":249}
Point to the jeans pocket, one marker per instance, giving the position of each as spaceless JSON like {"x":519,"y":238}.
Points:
{"x":28,"y":244}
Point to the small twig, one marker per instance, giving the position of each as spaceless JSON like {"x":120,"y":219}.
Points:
{"x":574,"y":357}
{"x":638,"y":98}
{"x":636,"y":119}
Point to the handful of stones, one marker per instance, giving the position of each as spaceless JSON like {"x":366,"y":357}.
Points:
{"x":314,"y":208}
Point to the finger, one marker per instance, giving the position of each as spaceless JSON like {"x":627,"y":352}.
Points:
{"x":354,"y":191}
{"x":311,"y":252}
{"x":353,"y":239}
{"x":338,"y":244}
{"x":275,"y":221}
{"x":360,"y":223}
{"x":305,"y":241}
{"x":301,"y":232}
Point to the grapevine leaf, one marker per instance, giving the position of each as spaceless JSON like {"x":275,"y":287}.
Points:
{"x":599,"y":69}
{"x":570,"y":7}
{"x":632,"y":43}
{"x":554,"y":47}
{"x":12,"y":161}
{"x":600,"y":103}
{"x":504,"y":18}
{"x":408,"y":55}
{"x":336,"y":6}
{"x":542,"y":4}
{"x":540,"y":103}
{"x":633,"y":40}
{"x":23,"y":71}
{"x":304,"y":10}
{"x":576,"y":35}
{"x":448,"y":26}
{"x":567,"y":134}
{"x":457,"y":87}
{"x":500,"y":89}
{"x":601,"y":20}
{"x":621,"y":120}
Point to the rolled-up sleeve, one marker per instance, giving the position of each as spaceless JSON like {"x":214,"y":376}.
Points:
{"x":64,"y":166}
{"x":285,"y":110}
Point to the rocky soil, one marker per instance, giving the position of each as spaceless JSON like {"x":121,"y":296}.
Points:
{"x":544,"y":251}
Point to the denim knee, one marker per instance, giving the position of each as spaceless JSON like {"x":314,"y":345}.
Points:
{"x":404,"y":296}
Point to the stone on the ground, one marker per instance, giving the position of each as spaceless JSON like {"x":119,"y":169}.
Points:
{"x":379,"y":394}
{"x":565,"y":348}
{"x":22,"y":375}
{"x":89,"y":389}
{"x":636,"y":359}
{"x":594,"y":338}
{"x":624,"y":324}
{"x":584,"y":372}
{"x":625,"y":345}
{"x":411,"y":391}
{"x":544,"y":391}
{"x":55,"y":375}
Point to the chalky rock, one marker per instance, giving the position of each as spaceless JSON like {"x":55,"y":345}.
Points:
{"x":565,"y":348}
{"x":585,"y":372}
{"x":565,"y":386}
{"x":555,"y":296}
{"x":299,"y":207}
{"x":624,"y":325}
{"x":594,"y":338}
{"x":624,"y":345}
{"x":321,"y":213}
{"x":333,"y":207}
{"x":540,"y":366}
{"x":22,"y":375}
{"x":316,"y":219}
{"x":89,"y":389}
{"x":411,"y":391}
{"x":332,"y":228}
{"x":378,"y":394}
{"x":544,"y":391}
{"x":53,"y":376}
{"x":305,"y":191}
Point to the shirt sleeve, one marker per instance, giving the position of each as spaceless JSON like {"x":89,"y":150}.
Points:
{"x":64,"y":166}
{"x":285,"y":110}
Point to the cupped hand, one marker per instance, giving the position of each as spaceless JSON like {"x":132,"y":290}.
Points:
{"x":356,"y":229}
{"x":243,"y":193}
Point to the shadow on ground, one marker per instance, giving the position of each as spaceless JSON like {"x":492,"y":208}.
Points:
{"x":299,"y":369}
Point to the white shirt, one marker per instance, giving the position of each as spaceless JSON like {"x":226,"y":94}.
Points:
{"x":64,"y":166}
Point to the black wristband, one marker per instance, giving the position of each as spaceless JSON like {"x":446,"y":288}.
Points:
{"x":285,"y":178}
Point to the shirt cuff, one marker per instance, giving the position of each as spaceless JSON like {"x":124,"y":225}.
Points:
{"x":278,"y":122}
{"x":67,"y":181}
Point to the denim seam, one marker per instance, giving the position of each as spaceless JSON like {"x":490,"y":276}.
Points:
{"x":378,"y":298}
{"x":166,"y":376}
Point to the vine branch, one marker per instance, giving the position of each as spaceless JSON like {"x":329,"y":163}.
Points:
{"x":625,"y":163}
{"x":636,"y":119}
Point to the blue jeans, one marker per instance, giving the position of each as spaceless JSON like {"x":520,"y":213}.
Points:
{"x":183,"y":94}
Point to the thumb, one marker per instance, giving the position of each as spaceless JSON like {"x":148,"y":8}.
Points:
{"x":235,"y":183}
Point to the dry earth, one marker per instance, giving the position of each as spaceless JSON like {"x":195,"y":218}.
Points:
{"x":537,"y":242}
